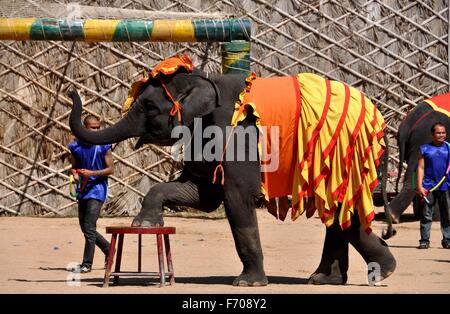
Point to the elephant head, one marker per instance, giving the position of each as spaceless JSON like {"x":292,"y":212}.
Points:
{"x":166,"y":99}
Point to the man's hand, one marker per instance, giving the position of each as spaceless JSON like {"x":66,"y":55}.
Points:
{"x":85,"y":172}
{"x":422,"y":192}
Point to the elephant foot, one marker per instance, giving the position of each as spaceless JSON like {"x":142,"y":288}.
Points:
{"x":142,"y":221}
{"x":251,"y":280}
{"x":335,"y":277}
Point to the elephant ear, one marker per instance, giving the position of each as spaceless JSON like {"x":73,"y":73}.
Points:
{"x":200,"y":99}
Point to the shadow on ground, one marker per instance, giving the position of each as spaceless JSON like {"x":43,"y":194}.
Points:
{"x":211,"y":280}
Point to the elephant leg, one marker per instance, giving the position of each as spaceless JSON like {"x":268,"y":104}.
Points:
{"x":334,"y":263}
{"x":181,"y":193}
{"x":374,"y":251}
{"x":399,"y":204}
{"x":241,"y":193}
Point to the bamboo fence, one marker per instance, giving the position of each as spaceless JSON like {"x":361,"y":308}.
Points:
{"x":394,"y":51}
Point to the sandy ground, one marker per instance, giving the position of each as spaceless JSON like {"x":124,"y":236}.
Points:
{"x":36,"y":251}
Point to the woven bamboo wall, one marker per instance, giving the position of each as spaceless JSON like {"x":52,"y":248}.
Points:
{"x":394,"y":51}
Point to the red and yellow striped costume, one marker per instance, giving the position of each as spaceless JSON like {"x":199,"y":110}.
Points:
{"x":331,"y":140}
{"x":440,"y":103}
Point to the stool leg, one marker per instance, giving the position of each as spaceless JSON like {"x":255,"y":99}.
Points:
{"x":169,"y":259}
{"x":161,"y":260}
{"x":109,"y":260}
{"x":118,"y":258}
{"x":139,"y":252}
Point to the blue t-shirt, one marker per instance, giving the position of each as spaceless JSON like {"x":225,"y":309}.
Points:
{"x":91,"y":157}
{"x":436,"y":162}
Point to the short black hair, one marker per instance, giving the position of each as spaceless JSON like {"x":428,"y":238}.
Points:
{"x":435,"y":125}
{"x":90,"y":117}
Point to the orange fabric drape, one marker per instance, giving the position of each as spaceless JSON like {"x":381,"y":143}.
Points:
{"x":331,"y":139}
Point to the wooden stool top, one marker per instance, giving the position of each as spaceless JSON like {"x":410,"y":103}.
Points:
{"x":140,"y":230}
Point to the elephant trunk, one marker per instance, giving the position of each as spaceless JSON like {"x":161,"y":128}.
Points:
{"x":406,"y":195}
{"x":130,"y":126}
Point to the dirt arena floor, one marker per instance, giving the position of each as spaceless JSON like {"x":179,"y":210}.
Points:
{"x":36,"y":251}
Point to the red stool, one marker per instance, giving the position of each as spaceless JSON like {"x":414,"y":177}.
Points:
{"x":121,"y":231}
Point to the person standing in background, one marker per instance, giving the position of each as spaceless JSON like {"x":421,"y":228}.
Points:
{"x":91,"y":166}
{"x":433,"y":185}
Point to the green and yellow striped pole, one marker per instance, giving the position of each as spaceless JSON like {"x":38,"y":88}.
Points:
{"x":235,"y":33}
{"x":200,"y":30}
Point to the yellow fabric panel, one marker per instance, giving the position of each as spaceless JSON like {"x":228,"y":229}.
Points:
{"x":367,"y":148}
{"x":437,"y":108}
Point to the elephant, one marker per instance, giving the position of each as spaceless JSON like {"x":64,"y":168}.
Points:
{"x":414,"y":131}
{"x":182,"y":96}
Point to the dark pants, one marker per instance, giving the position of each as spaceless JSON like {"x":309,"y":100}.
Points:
{"x":426,"y":216}
{"x":88,"y":213}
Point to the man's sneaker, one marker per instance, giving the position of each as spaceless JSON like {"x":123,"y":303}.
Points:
{"x":423,"y":246}
{"x":85,"y":269}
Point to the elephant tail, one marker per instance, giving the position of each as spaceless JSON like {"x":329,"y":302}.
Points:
{"x":390,"y":231}
{"x":401,"y":139}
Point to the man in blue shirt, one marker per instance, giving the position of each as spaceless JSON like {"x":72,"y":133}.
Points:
{"x":91,"y":166}
{"x":433,"y":185}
